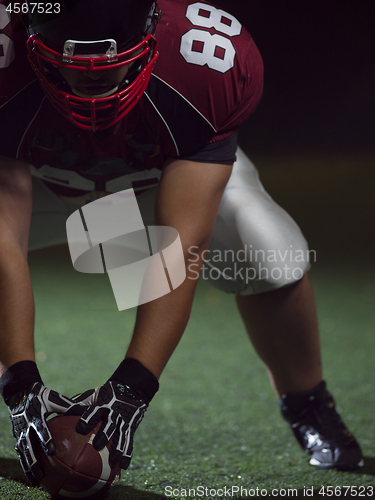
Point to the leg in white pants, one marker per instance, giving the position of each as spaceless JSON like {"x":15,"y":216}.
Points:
{"x":256,"y":246}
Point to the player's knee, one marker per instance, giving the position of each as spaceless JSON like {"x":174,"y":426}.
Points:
{"x":254,"y":278}
{"x":271,"y":276}
{"x":256,"y":269}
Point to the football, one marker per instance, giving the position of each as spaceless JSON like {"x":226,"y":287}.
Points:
{"x":77,"y":469}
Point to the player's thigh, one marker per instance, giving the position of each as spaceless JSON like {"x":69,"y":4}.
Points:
{"x":146,"y":203}
{"x":256,"y":246}
{"x":50,"y":212}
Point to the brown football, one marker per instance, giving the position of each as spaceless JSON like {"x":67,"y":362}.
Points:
{"x":77,"y":469}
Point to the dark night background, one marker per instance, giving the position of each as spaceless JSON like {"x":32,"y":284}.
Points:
{"x":313,"y":135}
{"x":319,"y":61}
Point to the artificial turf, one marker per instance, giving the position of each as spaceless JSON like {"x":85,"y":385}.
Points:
{"x":215,"y":422}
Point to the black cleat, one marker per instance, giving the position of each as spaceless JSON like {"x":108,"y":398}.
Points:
{"x":320,"y":431}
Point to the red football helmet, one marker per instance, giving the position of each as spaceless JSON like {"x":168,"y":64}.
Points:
{"x":93,"y":36}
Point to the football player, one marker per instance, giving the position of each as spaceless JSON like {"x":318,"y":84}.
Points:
{"x":148,"y":95}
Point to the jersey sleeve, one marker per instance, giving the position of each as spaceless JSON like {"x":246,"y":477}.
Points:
{"x":210,"y":59}
{"x":222,"y":152}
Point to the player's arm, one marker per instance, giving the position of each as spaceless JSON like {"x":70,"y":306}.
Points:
{"x":21,"y":386}
{"x":188,"y":200}
{"x":16,"y":298}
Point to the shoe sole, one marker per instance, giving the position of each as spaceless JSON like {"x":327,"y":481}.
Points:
{"x":320,"y":465}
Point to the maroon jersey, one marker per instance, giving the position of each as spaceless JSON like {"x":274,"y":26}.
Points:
{"x":206,"y":82}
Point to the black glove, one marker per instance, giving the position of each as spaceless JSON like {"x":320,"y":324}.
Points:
{"x":28,"y":413}
{"x":121,"y":410}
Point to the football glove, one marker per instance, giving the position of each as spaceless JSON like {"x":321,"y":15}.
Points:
{"x":28,"y":414}
{"x":120,"y":410}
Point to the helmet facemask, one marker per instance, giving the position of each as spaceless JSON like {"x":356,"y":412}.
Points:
{"x":100,"y":105}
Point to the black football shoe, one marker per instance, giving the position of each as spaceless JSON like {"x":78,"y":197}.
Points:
{"x":320,"y":431}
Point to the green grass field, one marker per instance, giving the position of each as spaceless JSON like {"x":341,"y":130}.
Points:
{"x":215,"y":422}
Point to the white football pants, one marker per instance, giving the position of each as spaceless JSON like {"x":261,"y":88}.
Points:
{"x":255,"y":247}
